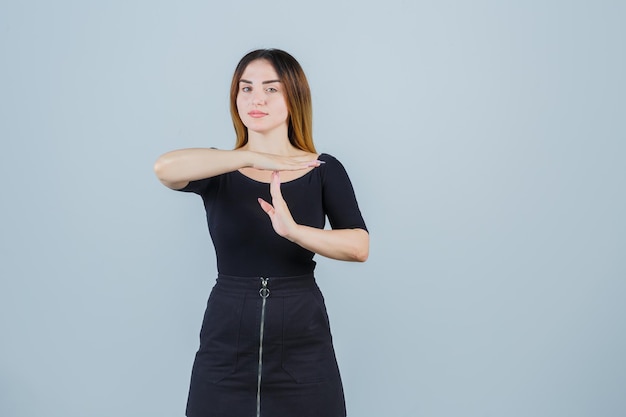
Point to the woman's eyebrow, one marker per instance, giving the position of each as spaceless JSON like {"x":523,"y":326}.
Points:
{"x":264,"y":82}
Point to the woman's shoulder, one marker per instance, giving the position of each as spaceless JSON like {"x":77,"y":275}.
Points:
{"x":331,"y":166}
{"x":328,"y":158}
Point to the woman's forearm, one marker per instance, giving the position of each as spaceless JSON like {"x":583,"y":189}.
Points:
{"x":341,"y":244}
{"x":176,"y":168}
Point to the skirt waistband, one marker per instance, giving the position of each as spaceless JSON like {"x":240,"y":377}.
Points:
{"x":277,"y":285}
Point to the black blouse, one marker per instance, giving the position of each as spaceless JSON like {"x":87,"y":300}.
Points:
{"x":245,"y":242}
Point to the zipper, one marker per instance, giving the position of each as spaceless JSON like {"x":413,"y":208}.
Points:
{"x":264,"y":292}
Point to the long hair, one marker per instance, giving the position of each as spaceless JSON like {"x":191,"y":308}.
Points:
{"x":297,"y":97}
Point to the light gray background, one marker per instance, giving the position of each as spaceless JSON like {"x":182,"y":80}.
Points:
{"x":485,"y":141}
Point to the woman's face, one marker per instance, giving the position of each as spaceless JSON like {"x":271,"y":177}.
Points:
{"x":260,"y":101}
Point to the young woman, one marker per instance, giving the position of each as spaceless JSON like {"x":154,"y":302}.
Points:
{"x":265,"y":344}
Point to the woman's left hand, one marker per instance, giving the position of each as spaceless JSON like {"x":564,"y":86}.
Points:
{"x":278,"y":211}
{"x":342,"y":244}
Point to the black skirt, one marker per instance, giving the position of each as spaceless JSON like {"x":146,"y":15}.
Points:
{"x":265,"y":351}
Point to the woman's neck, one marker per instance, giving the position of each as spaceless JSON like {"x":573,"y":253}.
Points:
{"x":274,"y":144}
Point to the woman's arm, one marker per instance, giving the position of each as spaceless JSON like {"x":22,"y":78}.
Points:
{"x":176,"y":168}
{"x":341,"y":244}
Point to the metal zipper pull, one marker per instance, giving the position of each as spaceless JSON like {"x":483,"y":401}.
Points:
{"x":264,"y":292}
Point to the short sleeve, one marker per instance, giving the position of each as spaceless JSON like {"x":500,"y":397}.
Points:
{"x":339,"y":200}
{"x":200,"y":187}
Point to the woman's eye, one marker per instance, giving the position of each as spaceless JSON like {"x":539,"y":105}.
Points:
{"x":246,"y":89}
{"x":271,"y":90}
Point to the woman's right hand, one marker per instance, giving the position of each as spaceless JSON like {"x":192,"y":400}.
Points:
{"x":271,"y":162}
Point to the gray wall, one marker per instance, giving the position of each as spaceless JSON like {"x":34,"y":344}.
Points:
{"x":486,"y":143}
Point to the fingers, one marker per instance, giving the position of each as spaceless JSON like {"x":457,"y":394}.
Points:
{"x":277,"y":197}
{"x":314,"y":163}
{"x":296,"y":165}
{"x":267,"y":207}
{"x":275,"y":187}
{"x":278,"y":212}
{"x":272,"y":162}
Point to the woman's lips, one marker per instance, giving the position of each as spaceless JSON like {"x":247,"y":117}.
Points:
{"x":256,"y":114}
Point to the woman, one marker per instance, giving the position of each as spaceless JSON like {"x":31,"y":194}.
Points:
{"x":265,"y":344}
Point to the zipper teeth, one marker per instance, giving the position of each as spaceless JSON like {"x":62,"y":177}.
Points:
{"x":264,"y":292}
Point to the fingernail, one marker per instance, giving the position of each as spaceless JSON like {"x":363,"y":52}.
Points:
{"x":321,"y":162}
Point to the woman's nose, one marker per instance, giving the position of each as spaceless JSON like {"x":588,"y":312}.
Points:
{"x":258,"y":98}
